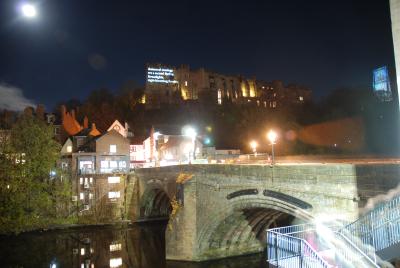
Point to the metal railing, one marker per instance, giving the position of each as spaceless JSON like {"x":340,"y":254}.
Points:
{"x":376,"y":230}
{"x":350,"y":253}
{"x":287,"y":247}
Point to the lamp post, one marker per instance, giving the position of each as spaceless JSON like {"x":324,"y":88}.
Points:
{"x":272,"y":136}
{"x":253,"y":145}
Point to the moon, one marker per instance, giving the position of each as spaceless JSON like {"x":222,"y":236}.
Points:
{"x":28,"y":10}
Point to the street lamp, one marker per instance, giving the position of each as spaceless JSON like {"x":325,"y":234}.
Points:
{"x":192,"y":133}
{"x":253,"y":145}
{"x":272,"y":136}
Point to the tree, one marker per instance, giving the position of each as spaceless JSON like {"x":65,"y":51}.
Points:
{"x":29,"y":197}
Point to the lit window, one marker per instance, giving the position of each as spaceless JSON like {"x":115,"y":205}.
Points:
{"x":81,"y":196}
{"x":80,"y":180}
{"x":91,"y":180}
{"x":301,"y":98}
{"x":116,"y":262}
{"x":114,"y":179}
{"x":69,"y":148}
{"x":186,"y":83}
{"x":115,"y":247}
{"x":258,"y":103}
{"x":265,"y":104}
{"x":90,"y":196}
{"x":82,"y":251}
{"x":219,"y":96}
{"x":86,"y":180}
{"x":113,"y":148}
{"x":113,"y":195}
{"x":122,"y":164}
{"x":104,"y":164}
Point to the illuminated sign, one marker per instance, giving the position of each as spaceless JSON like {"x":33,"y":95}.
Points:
{"x":162,"y":75}
{"x":381,"y":84}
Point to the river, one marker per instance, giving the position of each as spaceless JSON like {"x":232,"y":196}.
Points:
{"x":139,"y":246}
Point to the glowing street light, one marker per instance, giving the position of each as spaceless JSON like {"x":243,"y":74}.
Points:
{"x":272,"y":137}
{"x":192,"y":133}
{"x":28,"y":10}
{"x":253,"y":145}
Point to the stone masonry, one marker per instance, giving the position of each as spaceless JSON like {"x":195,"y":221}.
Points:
{"x":224,"y":210}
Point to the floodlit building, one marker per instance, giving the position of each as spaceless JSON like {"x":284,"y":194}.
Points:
{"x":166,"y":85}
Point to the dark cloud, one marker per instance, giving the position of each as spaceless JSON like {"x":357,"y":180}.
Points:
{"x":11,"y":98}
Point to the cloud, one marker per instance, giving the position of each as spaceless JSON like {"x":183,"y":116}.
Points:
{"x":12,"y":98}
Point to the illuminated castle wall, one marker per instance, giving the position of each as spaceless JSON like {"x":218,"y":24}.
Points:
{"x":171,"y":85}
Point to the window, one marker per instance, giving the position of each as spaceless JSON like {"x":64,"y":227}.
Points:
{"x":113,"y":164}
{"x":116,"y":262}
{"x":91,"y":180}
{"x":114,"y":179}
{"x":113,"y":195}
{"x":90,"y":196}
{"x":115,"y":247}
{"x":186,"y":83}
{"x":122,"y":164}
{"x":80,"y":180}
{"x":113,"y":148}
{"x":219,"y":96}
{"x":104,"y":164}
{"x":81,"y":196}
{"x":82,"y":251}
{"x":69,"y":149}
{"x":301,"y":98}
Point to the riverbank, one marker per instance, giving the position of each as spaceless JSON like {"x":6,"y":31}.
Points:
{"x":76,"y":226}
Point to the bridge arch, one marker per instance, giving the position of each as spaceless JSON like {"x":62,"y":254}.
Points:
{"x":155,"y":203}
{"x":240,"y":225}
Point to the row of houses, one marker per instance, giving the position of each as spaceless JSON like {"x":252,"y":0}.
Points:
{"x":98,"y":164}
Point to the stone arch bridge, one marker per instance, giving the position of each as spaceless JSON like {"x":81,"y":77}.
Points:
{"x":223,"y":210}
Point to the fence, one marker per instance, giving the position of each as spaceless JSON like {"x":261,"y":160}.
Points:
{"x":287,"y":247}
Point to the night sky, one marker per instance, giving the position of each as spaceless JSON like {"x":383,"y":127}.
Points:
{"x":75,"y":46}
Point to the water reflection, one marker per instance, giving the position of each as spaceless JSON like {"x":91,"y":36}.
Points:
{"x":139,"y":246}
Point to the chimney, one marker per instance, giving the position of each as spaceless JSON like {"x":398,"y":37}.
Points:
{"x":86,"y":122}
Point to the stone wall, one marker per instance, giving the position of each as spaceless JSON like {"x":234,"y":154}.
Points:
{"x":226,"y":207}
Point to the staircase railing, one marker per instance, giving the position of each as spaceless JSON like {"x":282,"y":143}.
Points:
{"x":286,"y":247}
{"x":380,"y":227}
{"x":351,"y":253}
{"x":374,"y":231}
